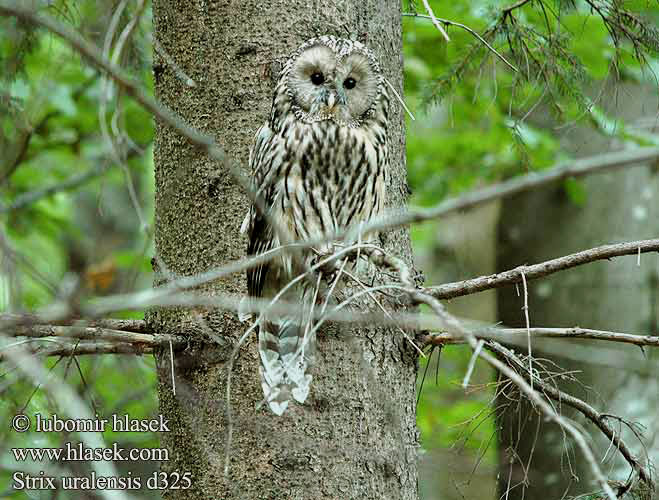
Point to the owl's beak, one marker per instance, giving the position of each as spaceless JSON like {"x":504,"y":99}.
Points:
{"x":334,"y":97}
{"x":331,"y":99}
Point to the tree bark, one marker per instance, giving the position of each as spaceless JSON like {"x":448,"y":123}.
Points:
{"x":356,"y":435}
{"x":617,"y":295}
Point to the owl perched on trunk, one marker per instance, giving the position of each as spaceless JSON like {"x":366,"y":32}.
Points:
{"x":319,"y":165}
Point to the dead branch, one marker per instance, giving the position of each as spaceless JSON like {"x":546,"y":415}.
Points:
{"x":131,"y":342}
{"x":9,"y":320}
{"x":515,"y":335}
{"x":99,"y":334}
{"x":171,"y":294}
{"x":535,"y":397}
{"x":534,"y":180}
{"x":527,"y":387}
{"x":136,"y":332}
{"x":598,"y":419}
{"x":68,"y":348}
{"x":605,"y":252}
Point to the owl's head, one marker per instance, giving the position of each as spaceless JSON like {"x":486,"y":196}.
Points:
{"x":331,"y":78}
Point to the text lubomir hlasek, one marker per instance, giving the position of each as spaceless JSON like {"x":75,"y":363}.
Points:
{"x":117,"y":423}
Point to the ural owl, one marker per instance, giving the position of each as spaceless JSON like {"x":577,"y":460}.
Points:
{"x":319,"y":165}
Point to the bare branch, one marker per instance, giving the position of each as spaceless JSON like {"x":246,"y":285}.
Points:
{"x":8,"y":320}
{"x":516,"y":5}
{"x":136,"y":332}
{"x":115,"y":142}
{"x":171,"y":294}
{"x":515,"y":335}
{"x":549,"y":412}
{"x":534,"y":180}
{"x":94,"y":333}
{"x":68,"y":348}
{"x":72,"y":183}
{"x":528,"y":325}
{"x":178,"y":71}
{"x":535,"y":271}
{"x":584,"y":408}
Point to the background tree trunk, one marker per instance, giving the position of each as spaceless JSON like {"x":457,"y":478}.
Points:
{"x":356,"y":436}
{"x":617,"y":295}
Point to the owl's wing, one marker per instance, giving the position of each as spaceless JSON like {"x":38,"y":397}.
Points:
{"x":261,"y":238}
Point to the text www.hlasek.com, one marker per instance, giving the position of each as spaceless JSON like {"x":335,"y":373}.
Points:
{"x":74,"y":453}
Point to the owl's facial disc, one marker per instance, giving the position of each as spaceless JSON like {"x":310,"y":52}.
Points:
{"x":330,"y":87}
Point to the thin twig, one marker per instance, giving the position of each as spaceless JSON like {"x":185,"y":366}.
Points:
{"x":387,"y":314}
{"x":74,"y":182}
{"x":178,"y":71}
{"x":435,"y":21}
{"x":528,"y":326}
{"x":400,"y":99}
{"x":584,"y":408}
{"x":271,"y":304}
{"x":118,"y":152}
{"x":171,"y":360}
{"x":469,"y":30}
{"x":516,"y":5}
{"x":530,"y":393}
{"x":472,"y":363}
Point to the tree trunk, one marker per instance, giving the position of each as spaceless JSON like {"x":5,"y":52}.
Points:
{"x":356,"y":435}
{"x":616,"y":295}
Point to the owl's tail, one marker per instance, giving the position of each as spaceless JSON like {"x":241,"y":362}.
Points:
{"x":287,"y":349}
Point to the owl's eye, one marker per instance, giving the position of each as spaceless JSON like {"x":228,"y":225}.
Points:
{"x":349,"y":83}
{"x":317,"y":78}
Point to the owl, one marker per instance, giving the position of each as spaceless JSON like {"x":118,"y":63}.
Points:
{"x":319,"y":164}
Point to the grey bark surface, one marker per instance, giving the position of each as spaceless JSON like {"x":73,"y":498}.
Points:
{"x":618,"y":295}
{"x":356,"y":435}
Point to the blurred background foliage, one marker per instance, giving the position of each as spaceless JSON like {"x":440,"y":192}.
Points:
{"x":70,"y":224}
